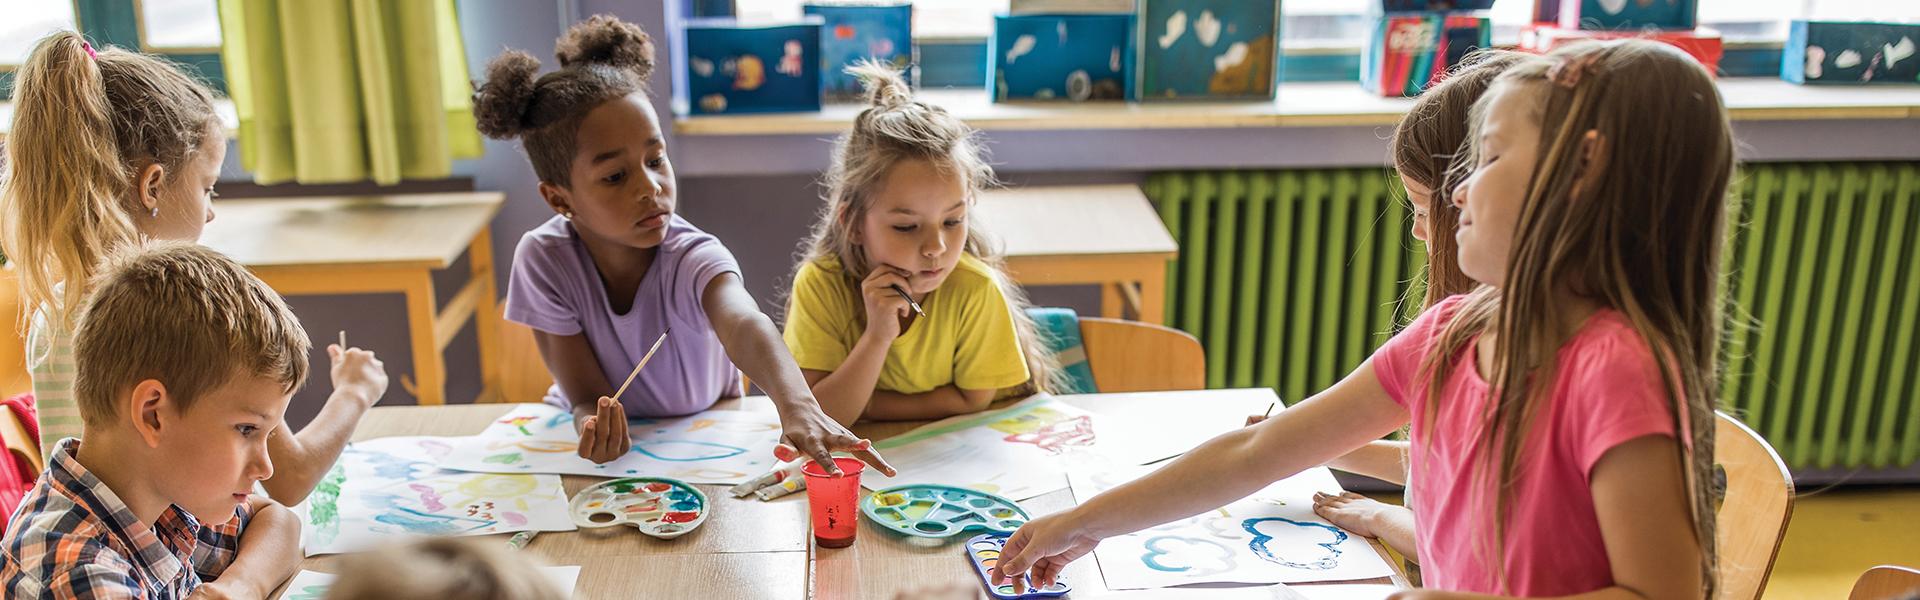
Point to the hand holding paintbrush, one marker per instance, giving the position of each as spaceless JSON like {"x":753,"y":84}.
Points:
{"x":603,"y":435}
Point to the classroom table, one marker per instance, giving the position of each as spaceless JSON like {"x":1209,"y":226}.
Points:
{"x":1108,"y":235}
{"x":754,"y":549}
{"x":378,"y":244}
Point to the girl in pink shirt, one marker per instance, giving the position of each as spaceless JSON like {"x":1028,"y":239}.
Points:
{"x":1562,"y":415}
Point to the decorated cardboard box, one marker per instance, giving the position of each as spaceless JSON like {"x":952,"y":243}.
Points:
{"x":1061,"y":57}
{"x":725,"y":67}
{"x":1208,"y":49}
{"x":1409,"y":52}
{"x":1837,"y":53}
{"x":1702,"y":43}
{"x":850,"y":33}
{"x":1401,"y":6}
{"x":1628,"y":14}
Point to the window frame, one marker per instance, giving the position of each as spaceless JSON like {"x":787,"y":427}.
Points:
{"x":120,"y":23}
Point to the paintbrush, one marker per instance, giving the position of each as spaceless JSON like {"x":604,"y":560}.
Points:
{"x":916,"y":305}
{"x":343,"y":340}
{"x":1270,"y":406}
{"x":642,"y":364}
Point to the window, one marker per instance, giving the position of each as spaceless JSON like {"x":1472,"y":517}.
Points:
{"x":179,"y":25}
{"x":26,"y":24}
{"x":932,"y":19}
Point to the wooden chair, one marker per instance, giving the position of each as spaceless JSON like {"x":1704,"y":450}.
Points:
{"x":1887,"y":582}
{"x":523,"y":374}
{"x":1753,"y":515}
{"x":1130,"y":356}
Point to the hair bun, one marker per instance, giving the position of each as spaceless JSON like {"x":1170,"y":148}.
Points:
{"x":606,"y":40}
{"x":885,"y":86}
{"x":500,"y":104}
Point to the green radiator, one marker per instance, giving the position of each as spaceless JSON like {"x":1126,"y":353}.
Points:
{"x":1292,"y":278}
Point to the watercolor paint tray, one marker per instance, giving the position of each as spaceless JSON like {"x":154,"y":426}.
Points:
{"x":984,"y":552}
{"x":939,"y":511}
{"x":657,"y":506}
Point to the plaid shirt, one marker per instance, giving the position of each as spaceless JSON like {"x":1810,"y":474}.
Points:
{"x":73,"y":538}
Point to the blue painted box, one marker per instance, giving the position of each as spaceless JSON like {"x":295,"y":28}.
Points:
{"x":850,"y":33}
{"x":1628,"y":14}
{"x":1396,"y":6}
{"x":724,"y":67}
{"x":1409,"y":52}
{"x":1835,"y":53}
{"x":1208,"y":49}
{"x":1061,"y":57}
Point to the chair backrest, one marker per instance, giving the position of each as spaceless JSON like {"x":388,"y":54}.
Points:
{"x":1130,"y":356}
{"x":1753,"y":515}
{"x":1887,"y":582}
{"x":524,"y":376}
{"x":13,"y":434}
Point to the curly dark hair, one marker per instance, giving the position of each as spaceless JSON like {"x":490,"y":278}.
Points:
{"x":601,"y":59}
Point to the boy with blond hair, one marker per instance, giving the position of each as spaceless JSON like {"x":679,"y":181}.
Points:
{"x":184,"y":365}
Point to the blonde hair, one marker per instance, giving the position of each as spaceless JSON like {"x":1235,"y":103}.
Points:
{"x":82,"y":127}
{"x":1627,"y":205}
{"x":895,"y":128}
{"x":186,"y":316}
{"x":440,"y":568}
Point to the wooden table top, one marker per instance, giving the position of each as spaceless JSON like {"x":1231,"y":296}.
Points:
{"x":754,"y":549}
{"x":402,"y":230}
{"x":1074,"y":221}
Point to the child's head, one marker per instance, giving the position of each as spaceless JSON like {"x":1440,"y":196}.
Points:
{"x":440,"y":568}
{"x":107,"y":145}
{"x":184,"y":361}
{"x":899,"y":191}
{"x":1598,"y":173}
{"x":589,"y":130}
{"x":1425,"y":146}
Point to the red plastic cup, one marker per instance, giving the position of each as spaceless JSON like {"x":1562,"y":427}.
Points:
{"x":834,"y":502}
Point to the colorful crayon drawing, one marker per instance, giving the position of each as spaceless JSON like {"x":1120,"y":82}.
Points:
{"x":376,"y":493}
{"x":1051,"y":430}
{"x":716,"y":446}
{"x":1269,"y":537}
{"x":1018,"y":452}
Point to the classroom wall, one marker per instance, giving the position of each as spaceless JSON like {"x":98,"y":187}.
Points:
{"x":759,"y":193}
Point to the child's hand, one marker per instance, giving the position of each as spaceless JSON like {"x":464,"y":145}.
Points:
{"x":885,"y":307}
{"x":358,"y":373}
{"x":603,"y":431}
{"x":811,"y":433}
{"x":1044,"y":545}
{"x":1253,"y":420}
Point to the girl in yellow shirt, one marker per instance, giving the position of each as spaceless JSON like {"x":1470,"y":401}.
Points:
{"x":901,"y":185}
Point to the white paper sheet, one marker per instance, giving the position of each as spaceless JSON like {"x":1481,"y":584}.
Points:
{"x":716,"y":446}
{"x":1019,"y":452}
{"x":387,"y":489}
{"x":1271,"y":536}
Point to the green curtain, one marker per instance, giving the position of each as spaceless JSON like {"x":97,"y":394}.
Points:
{"x":332,"y":91}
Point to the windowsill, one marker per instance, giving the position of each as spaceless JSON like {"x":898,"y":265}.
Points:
{"x":229,"y":118}
{"x":1299,"y":105}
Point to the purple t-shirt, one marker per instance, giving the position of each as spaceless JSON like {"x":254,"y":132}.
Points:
{"x":555,"y":288}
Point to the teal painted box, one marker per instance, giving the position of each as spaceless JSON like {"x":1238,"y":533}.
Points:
{"x":1208,"y":49}
{"x":1628,"y":14}
{"x":1837,"y":53}
{"x":1061,"y":57}
{"x":724,"y":67}
{"x":851,"y":33}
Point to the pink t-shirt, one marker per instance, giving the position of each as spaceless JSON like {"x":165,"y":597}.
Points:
{"x":1607,"y":391}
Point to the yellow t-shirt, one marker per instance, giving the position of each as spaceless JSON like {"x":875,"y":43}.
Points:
{"x":967,"y":338}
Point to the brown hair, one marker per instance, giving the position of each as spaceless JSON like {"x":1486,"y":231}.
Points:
{"x":186,"y":316}
{"x":1627,"y":206}
{"x":438,"y":569}
{"x":1425,"y":146}
{"x":895,"y":128}
{"x":82,"y":127}
{"x":601,"y":59}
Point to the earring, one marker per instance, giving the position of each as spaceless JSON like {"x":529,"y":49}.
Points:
{"x":568,"y":215}
{"x":155,"y":212}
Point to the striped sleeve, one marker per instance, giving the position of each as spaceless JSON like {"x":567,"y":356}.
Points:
{"x":50,"y":362}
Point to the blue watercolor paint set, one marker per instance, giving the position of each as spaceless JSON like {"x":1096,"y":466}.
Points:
{"x":940,"y":511}
{"x":984,"y":552}
{"x":657,"y":506}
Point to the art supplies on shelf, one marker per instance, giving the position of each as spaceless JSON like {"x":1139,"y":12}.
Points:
{"x":1850,"y":53}
{"x":1410,"y":52}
